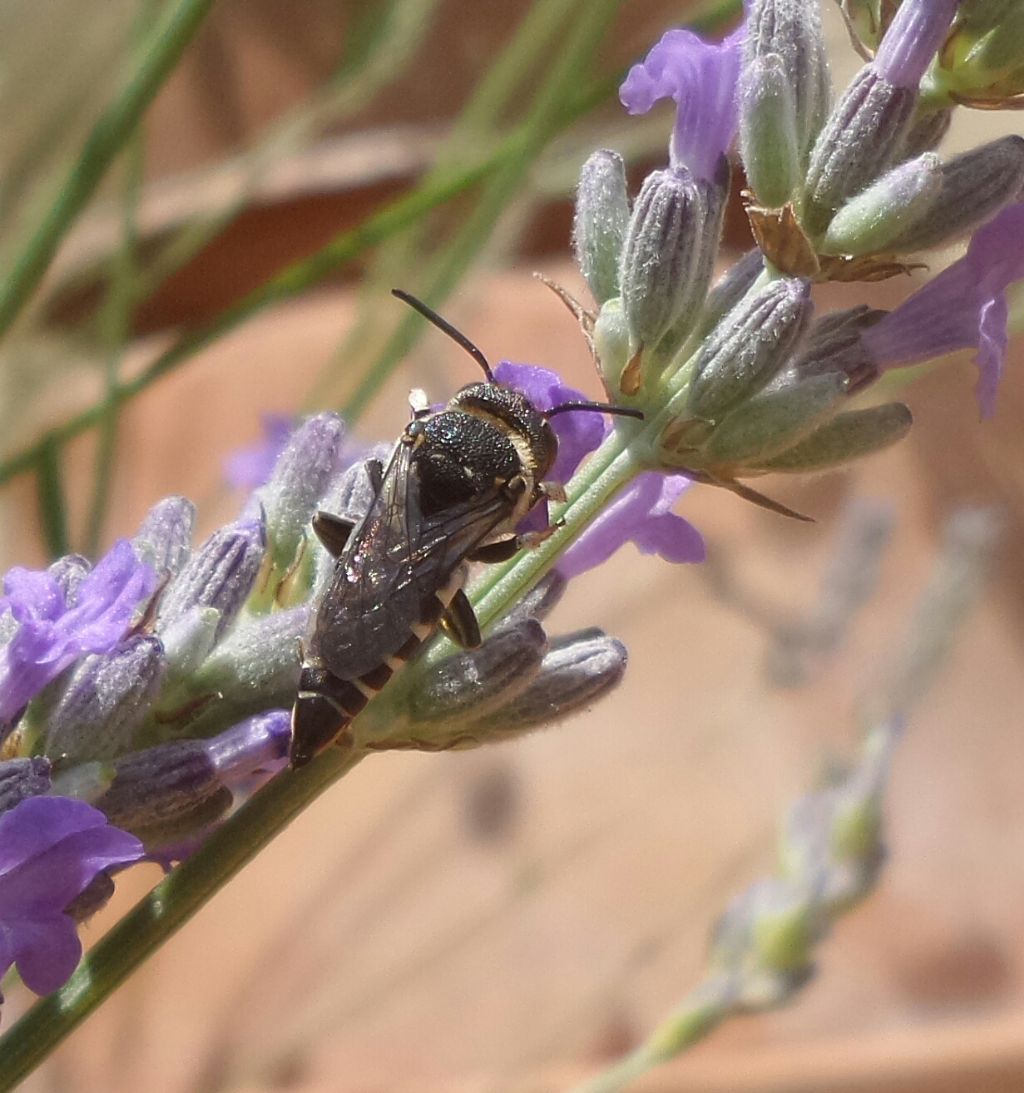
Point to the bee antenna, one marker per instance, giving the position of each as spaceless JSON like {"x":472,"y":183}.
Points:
{"x":457,"y":336}
{"x":598,"y":407}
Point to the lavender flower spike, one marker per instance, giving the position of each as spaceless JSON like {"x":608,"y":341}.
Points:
{"x":53,"y":632}
{"x":701,"y":78}
{"x":51,"y":849}
{"x":963,"y":307}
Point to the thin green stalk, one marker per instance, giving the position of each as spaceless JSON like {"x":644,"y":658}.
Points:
{"x":53,"y":512}
{"x":115,"y":321}
{"x":164,"y":911}
{"x":545,"y":118}
{"x":295,"y":279}
{"x":478,"y":121}
{"x":163,"y":48}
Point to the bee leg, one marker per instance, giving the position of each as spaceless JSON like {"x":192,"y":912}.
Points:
{"x":459,"y":622}
{"x":333,"y":531}
{"x":500,"y":551}
{"x":375,"y":472}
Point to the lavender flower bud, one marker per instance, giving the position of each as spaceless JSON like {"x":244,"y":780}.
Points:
{"x":861,"y":140}
{"x":847,"y":436}
{"x":749,"y":347}
{"x":927,"y":132}
{"x":165,"y":793}
{"x":765,"y":939}
{"x":773,"y":421}
{"x":164,"y":540}
{"x":599,"y":223}
{"x":301,"y":476}
{"x":834,"y":344}
{"x":255,"y":666}
{"x":887,"y":210}
{"x":912,"y":40}
{"x":730,"y":288}
{"x":973,"y":187}
{"x":768,"y":134}
{"x":475,"y":682}
{"x":611,"y":346}
{"x":105,"y":701}
{"x":661,"y":254}
{"x":69,"y":572}
{"x":219,"y":574}
{"x":578,"y":669}
{"x":790,"y":31}
{"x":189,"y":640}
{"x":21,"y":778}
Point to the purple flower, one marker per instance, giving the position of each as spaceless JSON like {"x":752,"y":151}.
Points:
{"x":963,"y":307}
{"x":913,"y":39}
{"x":640,"y":514}
{"x":51,"y":848}
{"x":250,"y":467}
{"x":701,"y":77}
{"x":54,"y":630}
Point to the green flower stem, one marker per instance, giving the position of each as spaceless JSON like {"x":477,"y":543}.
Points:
{"x":163,"y":48}
{"x":295,"y":279}
{"x":164,"y":911}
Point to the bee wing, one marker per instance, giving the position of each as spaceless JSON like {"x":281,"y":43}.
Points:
{"x":394,"y":563}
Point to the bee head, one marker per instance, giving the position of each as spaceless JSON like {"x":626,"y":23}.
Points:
{"x":517,"y":418}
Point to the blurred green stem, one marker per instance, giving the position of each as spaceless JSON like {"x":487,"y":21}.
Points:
{"x":295,"y":279}
{"x":163,"y":48}
{"x":115,"y":321}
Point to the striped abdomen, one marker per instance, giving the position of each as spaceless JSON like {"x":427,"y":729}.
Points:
{"x":327,"y":703}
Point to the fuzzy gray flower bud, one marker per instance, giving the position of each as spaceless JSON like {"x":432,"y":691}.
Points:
{"x":599,"y":223}
{"x":729,"y":289}
{"x":749,"y":347}
{"x":105,"y":701}
{"x":69,"y":572}
{"x":166,"y":793}
{"x":662,"y":253}
{"x":301,"y":476}
{"x":973,"y":187}
{"x":578,"y":669}
{"x":164,"y":540}
{"x":861,"y":140}
{"x":21,"y":778}
{"x":887,"y":210}
{"x":790,"y":30}
{"x":846,"y":437}
{"x":475,"y":682}
{"x":220,"y":574}
{"x":775,"y":420}
{"x":834,"y":344}
{"x":768,"y":137}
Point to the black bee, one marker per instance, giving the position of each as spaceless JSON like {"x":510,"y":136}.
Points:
{"x":456,"y":486}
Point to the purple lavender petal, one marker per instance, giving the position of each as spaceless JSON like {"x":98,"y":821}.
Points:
{"x":913,"y":39}
{"x":45,"y":948}
{"x":701,"y":77}
{"x":641,"y":515}
{"x":52,"y":635}
{"x":51,"y":848}
{"x":963,"y":307}
{"x":251,"y":466}
{"x":259,"y":743}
